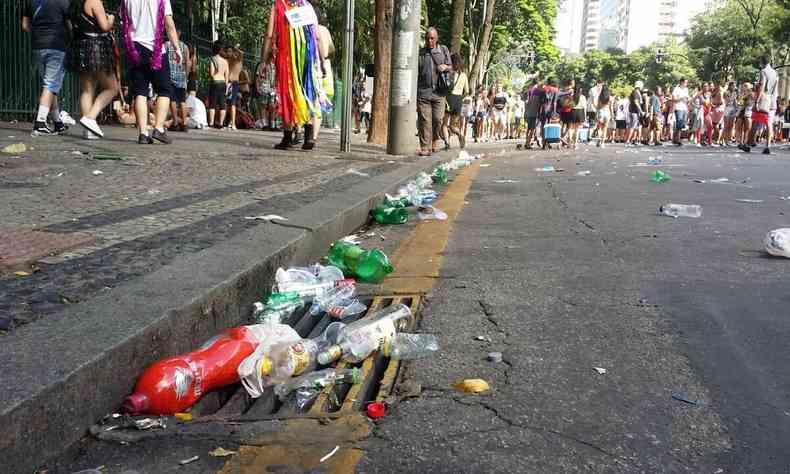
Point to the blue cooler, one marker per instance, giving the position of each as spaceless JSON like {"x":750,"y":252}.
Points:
{"x":584,"y":134}
{"x":551,"y":132}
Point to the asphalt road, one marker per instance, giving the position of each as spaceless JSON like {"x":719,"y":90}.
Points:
{"x":565,"y":273}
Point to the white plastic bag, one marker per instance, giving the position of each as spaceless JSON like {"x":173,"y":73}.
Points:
{"x":430,"y":213}
{"x":268,"y":335}
{"x":777,"y":242}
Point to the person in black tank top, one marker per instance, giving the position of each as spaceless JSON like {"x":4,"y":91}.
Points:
{"x":93,"y":56}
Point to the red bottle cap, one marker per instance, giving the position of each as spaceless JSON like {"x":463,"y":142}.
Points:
{"x":345,"y":282}
{"x":135,"y":403}
{"x":376,"y":410}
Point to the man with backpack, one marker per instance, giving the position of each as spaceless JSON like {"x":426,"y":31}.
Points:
{"x":434,"y":82}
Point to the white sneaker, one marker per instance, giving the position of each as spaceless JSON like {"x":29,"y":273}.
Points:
{"x":92,"y":125}
{"x":88,"y":135}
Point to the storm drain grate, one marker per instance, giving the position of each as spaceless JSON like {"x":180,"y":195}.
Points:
{"x":378,"y":375}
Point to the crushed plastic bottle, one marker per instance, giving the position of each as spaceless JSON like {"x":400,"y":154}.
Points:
{"x":393,"y":201}
{"x":680,"y":210}
{"x":777,"y":242}
{"x":278,"y":308}
{"x":265,"y":368}
{"x":338,"y":303}
{"x":317,"y":381}
{"x":389,"y":215}
{"x":428,"y":213}
{"x":309,"y":282}
{"x":404,"y":346}
{"x":660,"y":177}
{"x":367,"y":265}
{"x":358,"y":340}
{"x":423,"y":180}
{"x":439,"y":176}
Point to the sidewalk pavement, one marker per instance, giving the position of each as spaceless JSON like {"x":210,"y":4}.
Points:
{"x":80,"y":225}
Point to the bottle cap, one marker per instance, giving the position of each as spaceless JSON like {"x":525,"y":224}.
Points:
{"x":266,"y":366}
{"x":135,"y":403}
{"x":376,"y":410}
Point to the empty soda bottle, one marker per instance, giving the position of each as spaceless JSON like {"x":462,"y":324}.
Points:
{"x":370,"y":266}
{"x":396,"y":201}
{"x":660,"y":177}
{"x":338,"y":303}
{"x":404,"y":346}
{"x":439,"y":176}
{"x":423,"y":180}
{"x":317,"y":380}
{"x":389,"y":215}
{"x":680,"y":210}
{"x":278,"y":308}
{"x":358,"y":340}
{"x":309,"y":283}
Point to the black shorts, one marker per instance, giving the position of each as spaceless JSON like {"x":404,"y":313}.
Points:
{"x":566,"y":117}
{"x":532,"y":123}
{"x":454,"y":103}
{"x":592,"y":117}
{"x":142,"y":75}
{"x":216,"y":94}
{"x":578,"y":116}
{"x":192,"y":85}
{"x":620,"y":124}
{"x":179,"y":95}
{"x":233,"y":95}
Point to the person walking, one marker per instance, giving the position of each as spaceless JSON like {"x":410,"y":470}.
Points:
{"x":565,"y":105}
{"x":435,"y":65}
{"x":532,"y":112}
{"x":145,"y":23}
{"x":680,"y":99}
{"x":219,"y":77}
{"x":455,"y":99}
{"x":655,"y":122}
{"x":326,"y":49}
{"x":635,"y":113}
{"x":579,"y":115}
{"x":603,"y":108}
{"x":93,"y":58}
{"x":179,"y":59}
{"x":764,"y":106}
{"x":47,"y":22}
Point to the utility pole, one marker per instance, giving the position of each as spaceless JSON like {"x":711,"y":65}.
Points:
{"x":401,"y":139}
{"x":348,"y":77}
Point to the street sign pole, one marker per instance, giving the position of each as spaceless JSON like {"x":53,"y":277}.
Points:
{"x":401,"y":138}
{"x":348,"y":77}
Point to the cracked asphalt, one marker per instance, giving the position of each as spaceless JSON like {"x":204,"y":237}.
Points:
{"x":565,"y":273}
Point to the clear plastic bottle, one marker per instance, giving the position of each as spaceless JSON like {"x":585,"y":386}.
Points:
{"x":338,"y":303}
{"x":358,"y":340}
{"x":404,"y":346}
{"x":317,"y":380}
{"x":309,"y":282}
{"x":278,"y":308}
{"x":680,"y":210}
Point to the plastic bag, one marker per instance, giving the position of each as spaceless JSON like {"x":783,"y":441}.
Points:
{"x":428,"y":213}
{"x":268,"y":334}
{"x":777,"y":242}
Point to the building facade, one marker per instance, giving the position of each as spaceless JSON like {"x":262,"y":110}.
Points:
{"x":591,"y":25}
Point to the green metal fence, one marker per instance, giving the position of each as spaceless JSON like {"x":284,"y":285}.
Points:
{"x":20,"y":85}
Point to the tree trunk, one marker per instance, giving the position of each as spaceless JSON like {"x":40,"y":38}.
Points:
{"x":485,"y":42}
{"x":457,"y":29}
{"x":380,"y":110}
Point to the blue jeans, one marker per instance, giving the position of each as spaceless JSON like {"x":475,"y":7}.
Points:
{"x":50,"y":63}
{"x":680,"y":119}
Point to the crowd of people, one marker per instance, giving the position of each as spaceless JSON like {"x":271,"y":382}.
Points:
{"x":161,"y":92}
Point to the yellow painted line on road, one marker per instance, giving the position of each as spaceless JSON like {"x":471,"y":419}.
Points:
{"x":418,"y":259}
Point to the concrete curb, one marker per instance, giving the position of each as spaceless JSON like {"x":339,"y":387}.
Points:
{"x":64,"y":373}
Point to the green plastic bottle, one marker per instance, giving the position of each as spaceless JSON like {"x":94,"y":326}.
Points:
{"x":390,"y":215}
{"x":400,"y":202}
{"x":279,"y":307}
{"x":370,"y":266}
{"x":660,"y":177}
{"x":439,"y":176}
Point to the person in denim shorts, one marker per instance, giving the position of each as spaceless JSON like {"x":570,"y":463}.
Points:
{"x":47,"y":21}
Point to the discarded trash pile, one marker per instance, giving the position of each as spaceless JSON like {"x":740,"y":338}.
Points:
{"x":418,"y":194}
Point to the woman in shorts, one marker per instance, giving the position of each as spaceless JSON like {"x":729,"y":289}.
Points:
{"x":579,"y":115}
{"x":744,"y":121}
{"x":730,"y":97}
{"x":717,"y":114}
{"x":603,"y":114}
{"x":565,"y":106}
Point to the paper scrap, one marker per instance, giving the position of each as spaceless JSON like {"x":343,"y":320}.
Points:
{"x":357,"y":172}
{"x":97,"y":172}
{"x":329,"y":455}
{"x":267,"y":218}
{"x":221,"y":452}
{"x":600,"y":370}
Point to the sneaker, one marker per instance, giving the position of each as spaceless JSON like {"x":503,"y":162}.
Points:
{"x":161,"y":137}
{"x":92,"y":125}
{"x":87,"y":135}
{"x":767,"y":151}
{"x":41,"y":129}
{"x":61,"y":128}
{"x":144,"y":140}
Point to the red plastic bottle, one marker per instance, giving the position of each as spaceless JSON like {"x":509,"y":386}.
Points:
{"x":176,"y":383}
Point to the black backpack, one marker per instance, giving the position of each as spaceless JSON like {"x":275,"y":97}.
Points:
{"x":446,"y":79}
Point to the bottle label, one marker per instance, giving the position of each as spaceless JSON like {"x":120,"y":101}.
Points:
{"x":300,"y":357}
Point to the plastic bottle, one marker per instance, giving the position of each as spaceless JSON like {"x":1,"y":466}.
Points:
{"x":389,"y":215}
{"x":660,"y":177}
{"x":423,"y":180}
{"x":278,"y":307}
{"x":176,"y":383}
{"x":337,"y":303}
{"x":358,"y":340}
{"x":393,"y":201}
{"x":317,"y":380}
{"x":439,"y":176}
{"x":405,"y":346}
{"x":680,"y":210}
{"x":366,"y":265}
{"x":308,"y":283}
